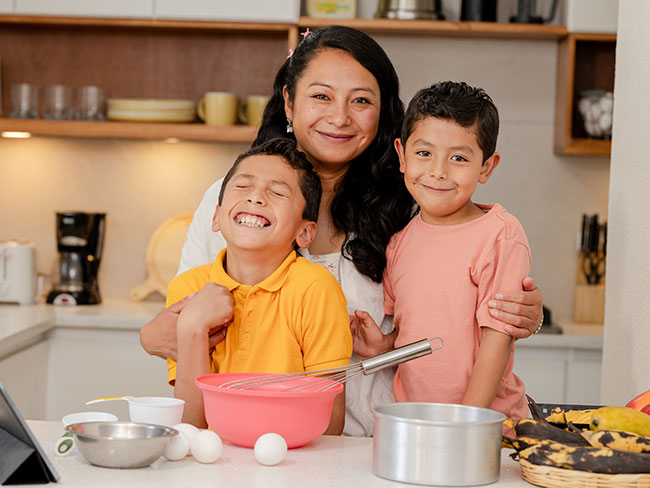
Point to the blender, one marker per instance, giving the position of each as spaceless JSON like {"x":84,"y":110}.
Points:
{"x":80,"y":238}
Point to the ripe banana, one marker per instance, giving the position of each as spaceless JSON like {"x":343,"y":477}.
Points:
{"x":620,"y":418}
{"x":540,"y":429}
{"x":574,"y":416}
{"x":616,"y":439}
{"x":592,"y":459}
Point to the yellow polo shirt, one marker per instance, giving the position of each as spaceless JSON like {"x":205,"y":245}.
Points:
{"x":294,"y":320}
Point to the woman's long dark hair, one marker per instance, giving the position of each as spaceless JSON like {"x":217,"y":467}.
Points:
{"x":371,"y":201}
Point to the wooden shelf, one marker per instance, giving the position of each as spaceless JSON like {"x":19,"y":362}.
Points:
{"x":444,"y":28}
{"x":131,"y":130}
{"x":149,"y":58}
{"x":585,"y":62}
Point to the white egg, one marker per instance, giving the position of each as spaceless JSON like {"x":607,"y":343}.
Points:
{"x":270,"y":449}
{"x":206,"y":446}
{"x":188,"y":429}
{"x":178,"y":447}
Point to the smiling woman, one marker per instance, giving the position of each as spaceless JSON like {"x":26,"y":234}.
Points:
{"x":337,"y":95}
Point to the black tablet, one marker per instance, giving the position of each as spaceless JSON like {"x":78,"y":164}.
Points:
{"x":22,"y":460}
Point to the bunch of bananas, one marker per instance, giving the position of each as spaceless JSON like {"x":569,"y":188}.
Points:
{"x":617,"y":442}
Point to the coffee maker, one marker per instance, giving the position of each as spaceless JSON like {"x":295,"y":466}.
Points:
{"x":80,"y":238}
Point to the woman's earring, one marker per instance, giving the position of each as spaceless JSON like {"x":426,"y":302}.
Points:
{"x":289,"y":126}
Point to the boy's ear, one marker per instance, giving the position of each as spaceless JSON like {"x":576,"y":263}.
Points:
{"x":488,"y":167}
{"x":400,"y":152}
{"x":287,"y":105}
{"x":215,"y":220}
{"x":306,"y":235}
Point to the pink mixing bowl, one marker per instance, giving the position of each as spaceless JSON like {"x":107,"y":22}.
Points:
{"x":242,"y":415}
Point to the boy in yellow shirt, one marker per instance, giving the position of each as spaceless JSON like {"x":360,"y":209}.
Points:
{"x":283,"y":314}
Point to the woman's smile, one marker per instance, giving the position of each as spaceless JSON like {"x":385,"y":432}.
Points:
{"x":335,"y":137}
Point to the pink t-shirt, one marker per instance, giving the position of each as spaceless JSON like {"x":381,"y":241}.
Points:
{"x":437,"y":282}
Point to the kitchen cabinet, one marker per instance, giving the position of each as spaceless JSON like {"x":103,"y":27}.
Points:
{"x":114,"y":8}
{"x":71,"y":366}
{"x":159,"y":58}
{"x":559,"y":374}
{"x":585,"y":62}
{"x":241,"y":10}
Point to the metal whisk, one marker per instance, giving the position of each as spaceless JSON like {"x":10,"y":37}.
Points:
{"x":330,"y":378}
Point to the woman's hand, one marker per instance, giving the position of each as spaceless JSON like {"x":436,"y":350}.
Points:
{"x":521,"y":311}
{"x":368,"y":339}
{"x":158,"y":336}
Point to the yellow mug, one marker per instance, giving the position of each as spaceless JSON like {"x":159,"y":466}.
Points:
{"x":218,"y":108}
{"x":251,"y":111}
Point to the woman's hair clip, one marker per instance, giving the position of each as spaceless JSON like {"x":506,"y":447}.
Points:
{"x":304,"y":35}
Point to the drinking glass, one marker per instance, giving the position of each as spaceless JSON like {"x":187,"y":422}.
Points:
{"x":58,"y":102}
{"x":92,"y":104}
{"x":24,"y":101}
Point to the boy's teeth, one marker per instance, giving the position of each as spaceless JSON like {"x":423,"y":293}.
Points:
{"x":251,"y":220}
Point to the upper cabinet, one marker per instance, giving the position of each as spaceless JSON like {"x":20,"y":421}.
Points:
{"x":585,"y":68}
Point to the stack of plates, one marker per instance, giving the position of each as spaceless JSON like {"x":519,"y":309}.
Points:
{"x":151,"y":110}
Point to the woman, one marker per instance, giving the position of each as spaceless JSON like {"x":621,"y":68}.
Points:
{"x":338,"y":96}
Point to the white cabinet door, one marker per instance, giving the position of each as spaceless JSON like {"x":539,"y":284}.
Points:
{"x":240,"y":10}
{"x":583,"y":380}
{"x":543,"y":372}
{"x":24,"y":374}
{"x":114,"y":8}
{"x":84,"y":364}
{"x":560,"y":375}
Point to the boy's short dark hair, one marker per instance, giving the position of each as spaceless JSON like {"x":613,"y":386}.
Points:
{"x":308,"y":181}
{"x":461,"y":103}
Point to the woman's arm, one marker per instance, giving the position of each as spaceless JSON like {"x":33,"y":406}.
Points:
{"x":337,"y":418}
{"x":521,"y":311}
{"x":158,"y":336}
{"x":491,"y":361}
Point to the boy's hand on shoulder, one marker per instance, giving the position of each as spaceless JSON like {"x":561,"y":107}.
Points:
{"x":368,"y":339}
{"x":209,"y":310}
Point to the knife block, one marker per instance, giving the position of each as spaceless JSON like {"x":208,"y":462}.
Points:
{"x":588,"y":300}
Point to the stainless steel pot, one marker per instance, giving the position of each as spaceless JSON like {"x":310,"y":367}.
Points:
{"x":437,"y":444}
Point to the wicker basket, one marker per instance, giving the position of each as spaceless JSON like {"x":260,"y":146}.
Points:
{"x":567,"y":478}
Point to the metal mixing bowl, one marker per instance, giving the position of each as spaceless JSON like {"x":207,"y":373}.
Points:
{"x":121,"y":444}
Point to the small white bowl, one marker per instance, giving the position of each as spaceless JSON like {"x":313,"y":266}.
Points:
{"x":79,"y":417}
{"x":156,"y":410}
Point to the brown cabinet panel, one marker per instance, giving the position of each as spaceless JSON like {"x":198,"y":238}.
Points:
{"x":585,"y":62}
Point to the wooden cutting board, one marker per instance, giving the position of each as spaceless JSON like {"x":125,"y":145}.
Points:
{"x":163,"y":256}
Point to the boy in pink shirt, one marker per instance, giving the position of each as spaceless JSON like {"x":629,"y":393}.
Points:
{"x":447,"y":146}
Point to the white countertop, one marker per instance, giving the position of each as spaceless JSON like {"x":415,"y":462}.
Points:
{"x":329,"y":461}
{"x":21,"y":325}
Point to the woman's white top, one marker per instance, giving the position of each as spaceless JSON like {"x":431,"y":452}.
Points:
{"x":362,"y":393}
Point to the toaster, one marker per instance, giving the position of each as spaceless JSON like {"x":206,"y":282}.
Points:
{"x":17,"y":272}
